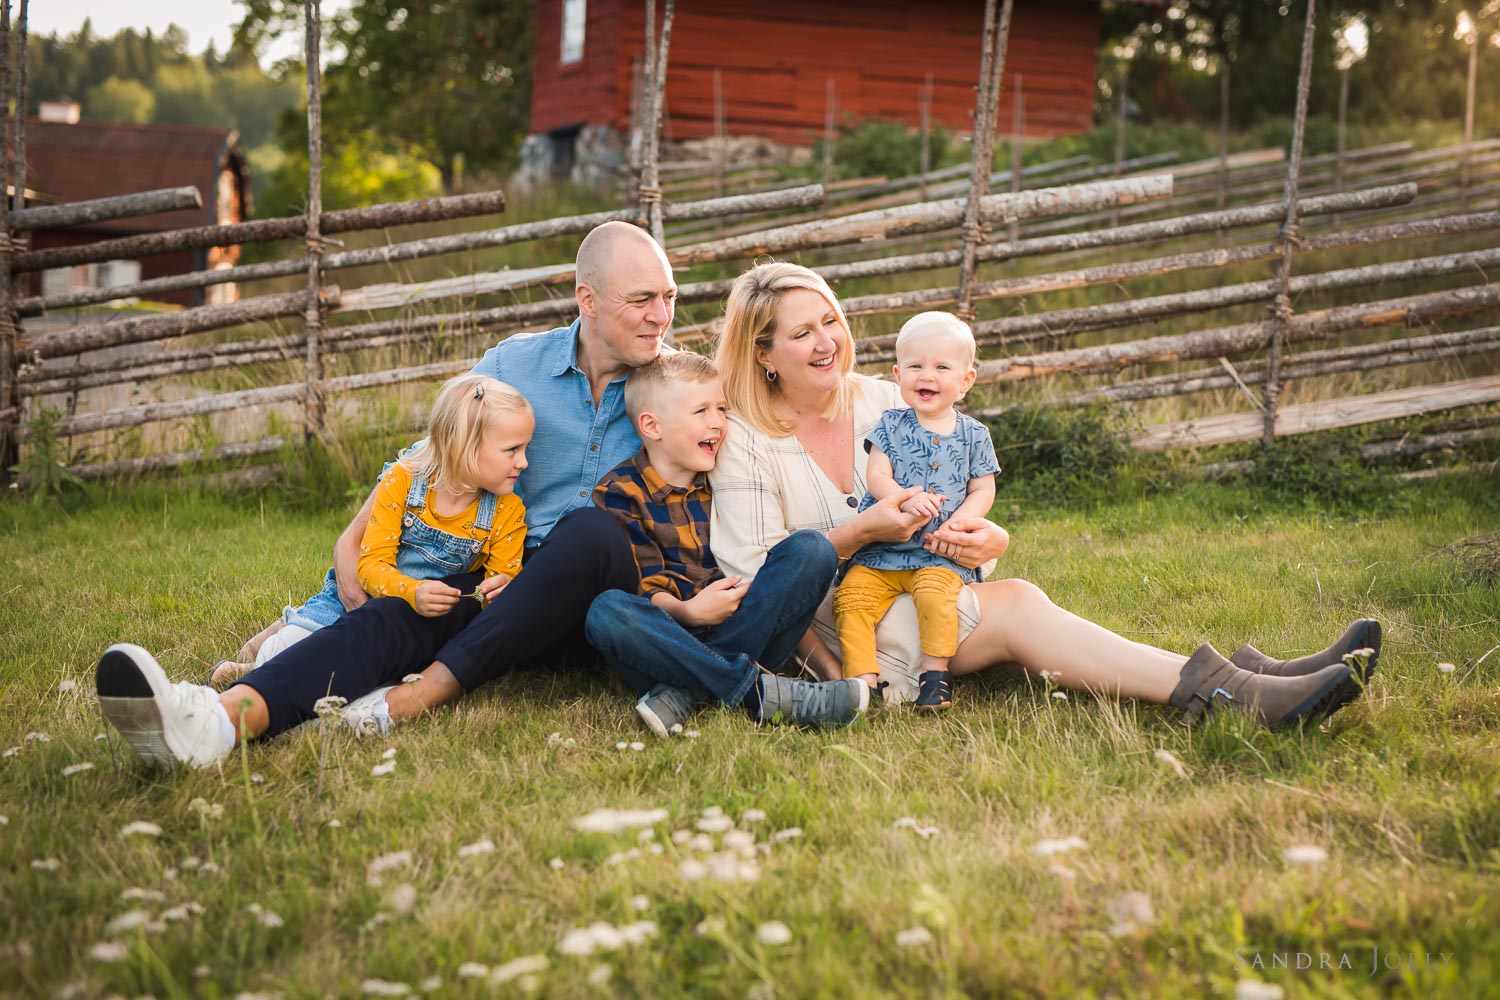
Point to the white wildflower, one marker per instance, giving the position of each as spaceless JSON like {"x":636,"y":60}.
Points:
{"x":524,"y":966}
{"x":691,"y":870}
{"x":265,"y":917}
{"x":205,"y":810}
{"x":637,"y":745}
{"x":774,"y":932}
{"x":1254,"y":989}
{"x":1060,"y":695}
{"x":646,"y":835}
{"x":130,"y":920}
{"x":903,"y":823}
{"x":108,"y":951}
{"x":709,"y":926}
{"x":63,"y":687}
{"x":256,"y":778}
{"x":473,"y":970}
{"x":675,"y":729}
{"x":579,"y":941}
{"x":334,"y":823}
{"x":926,"y":831}
{"x":1046,"y":848}
{"x":640,"y":902}
{"x":1168,"y":758}
{"x":244,"y":995}
{"x":68,"y":991}
{"x":600,"y":975}
{"x":401,"y":898}
{"x":620,"y":857}
{"x":1304,"y":854}
{"x":485,"y":846}
{"x":136,"y":894}
{"x":1062,"y":871}
{"x":73,"y":769}
{"x":431,"y":984}
{"x":191,"y":862}
{"x":1446,"y":668}
{"x":621,"y":745}
{"x":140,"y":828}
{"x":390,"y":753}
{"x":386,"y":863}
{"x":529,"y":983}
{"x":655,"y":849}
{"x":790,"y":833}
{"x":202,"y":971}
{"x":638,"y":932}
{"x":715,"y":824}
{"x":12,"y":751}
{"x":691,"y":734}
{"x":1131,"y":911}
{"x":739,"y":840}
{"x":329,"y":706}
{"x":208,"y":868}
{"x":100,"y":737}
{"x":557,"y":864}
{"x":411,"y":678}
{"x":381,"y":770}
{"x":46,"y":864}
{"x":913,"y":937}
{"x":701,"y":842}
{"x":753,"y":816}
{"x":680,"y":837}
{"x":618,"y":820}
{"x":36,"y":737}
{"x":384,"y":988}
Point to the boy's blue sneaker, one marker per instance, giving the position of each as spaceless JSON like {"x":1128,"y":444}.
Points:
{"x":814,"y":704}
{"x":664,"y":709}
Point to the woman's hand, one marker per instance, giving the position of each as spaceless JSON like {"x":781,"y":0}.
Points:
{"x":885,"y":521}
{"x":969,"y":541}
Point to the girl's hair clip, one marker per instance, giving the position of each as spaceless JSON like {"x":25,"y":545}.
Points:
{"x":479,"y":390}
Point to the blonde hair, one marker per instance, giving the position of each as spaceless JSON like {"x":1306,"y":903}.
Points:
{"x":464,"y":413}
{"x":750,"y":326}
{"x":937,"y":324}
{"x":644,"y":385}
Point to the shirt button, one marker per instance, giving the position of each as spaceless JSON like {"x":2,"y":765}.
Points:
{"x":936,"y":441}
{"x":934,"y":466}
{"x":584,"y":493}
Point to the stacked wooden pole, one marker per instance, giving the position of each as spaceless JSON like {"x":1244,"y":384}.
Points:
{"x":986,"y":111}
{"x":9,"y":330}
{"x":313,"y":422}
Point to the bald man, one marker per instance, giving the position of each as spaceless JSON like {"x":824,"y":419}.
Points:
{"x":574,"y":378}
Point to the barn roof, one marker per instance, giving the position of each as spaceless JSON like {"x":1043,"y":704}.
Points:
{"x":94,"y":159}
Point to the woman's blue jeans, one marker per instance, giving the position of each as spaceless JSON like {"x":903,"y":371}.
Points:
{"x":647,"y":647}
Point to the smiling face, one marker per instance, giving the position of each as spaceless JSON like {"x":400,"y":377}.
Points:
{"x":683,"y":429}
{"x":807,"y":346}
{"x":501,"y":457}
{"x":628,"y":307}
{"x":933,"y":373}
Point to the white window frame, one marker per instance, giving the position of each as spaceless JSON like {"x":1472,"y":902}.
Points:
{"x":574,"y":21}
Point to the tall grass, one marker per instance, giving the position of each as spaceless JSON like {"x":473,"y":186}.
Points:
{"x":1398,"y":789}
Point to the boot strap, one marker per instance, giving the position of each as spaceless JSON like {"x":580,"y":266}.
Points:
{"x":1201,"y":704}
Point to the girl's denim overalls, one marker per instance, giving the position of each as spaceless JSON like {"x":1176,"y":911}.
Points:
{"x":425,"y":553}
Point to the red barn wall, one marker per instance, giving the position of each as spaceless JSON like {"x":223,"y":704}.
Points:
{"x":775,"y":61}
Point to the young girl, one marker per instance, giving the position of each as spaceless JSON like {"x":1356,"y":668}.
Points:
{"x":445,"y":507}
{"x":953,"y":458}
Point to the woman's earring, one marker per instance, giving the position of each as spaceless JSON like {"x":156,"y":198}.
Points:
{"x":770,"y":375}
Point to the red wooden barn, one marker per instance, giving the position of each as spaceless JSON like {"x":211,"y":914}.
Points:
{"x":89,"y":159}
{"x":777,"y":56}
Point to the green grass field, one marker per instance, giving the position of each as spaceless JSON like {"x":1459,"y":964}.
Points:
{"x":920,"y":868}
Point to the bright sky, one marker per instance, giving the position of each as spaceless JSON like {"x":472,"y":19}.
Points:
{"x":203,"y":20}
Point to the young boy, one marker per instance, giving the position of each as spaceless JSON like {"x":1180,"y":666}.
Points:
{"x":691,"y":632}
{"x":929,"y":444}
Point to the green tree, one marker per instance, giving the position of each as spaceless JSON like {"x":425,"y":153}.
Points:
{"x":117,"y":100}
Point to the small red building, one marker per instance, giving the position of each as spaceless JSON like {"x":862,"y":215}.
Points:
{"x":776,"y":57}
{"x":89,"y":159}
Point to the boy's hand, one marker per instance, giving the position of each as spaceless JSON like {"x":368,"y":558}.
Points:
{"x":714,"y":603}
{"x":886,"y":521}
{"x":926,"y":504}
{"x":434,"y":598}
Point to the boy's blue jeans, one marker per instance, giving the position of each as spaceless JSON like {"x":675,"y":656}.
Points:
{"x":647,"y":647}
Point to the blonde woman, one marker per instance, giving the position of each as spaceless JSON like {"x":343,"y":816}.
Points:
{"x":796,"y":458}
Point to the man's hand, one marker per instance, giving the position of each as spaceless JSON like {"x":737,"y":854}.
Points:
{"x":927,"y":504}
{"x":969,"y":541}
{"x":434,"y":598}
{"x":714,"y":603}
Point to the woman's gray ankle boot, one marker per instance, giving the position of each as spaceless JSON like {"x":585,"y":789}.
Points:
{"x":1209,"y":682}
{"x":1363,"y":634}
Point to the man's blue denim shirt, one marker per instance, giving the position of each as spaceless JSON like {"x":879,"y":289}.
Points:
{"x":575,"y":443}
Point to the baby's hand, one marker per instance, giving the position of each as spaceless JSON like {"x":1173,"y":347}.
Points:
{"x":926,"y":504}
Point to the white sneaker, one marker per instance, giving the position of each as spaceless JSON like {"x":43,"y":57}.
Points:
{"x":360,"y":714}
{"x":164,"y":723}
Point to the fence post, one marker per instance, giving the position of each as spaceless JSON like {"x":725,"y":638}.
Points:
{"x":829,"y":117}
{"x":10,"y":402}
{"x":1281,"y":305}
{"x":924,"y":107}
{"x":1017,"y":126}
{"x":1222,"y":195}
{"x":1338,"y":162}
{"x":314,"y":416}
{"x":721,"y":154}
{"x":986,"y":110}
{"x":1469,"y":111}
{"x":1122,"y":74}
{"x":656,"y":85}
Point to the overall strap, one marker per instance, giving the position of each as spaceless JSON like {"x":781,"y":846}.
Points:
{"x":485,"y":518}
{"x":416,"y":496}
